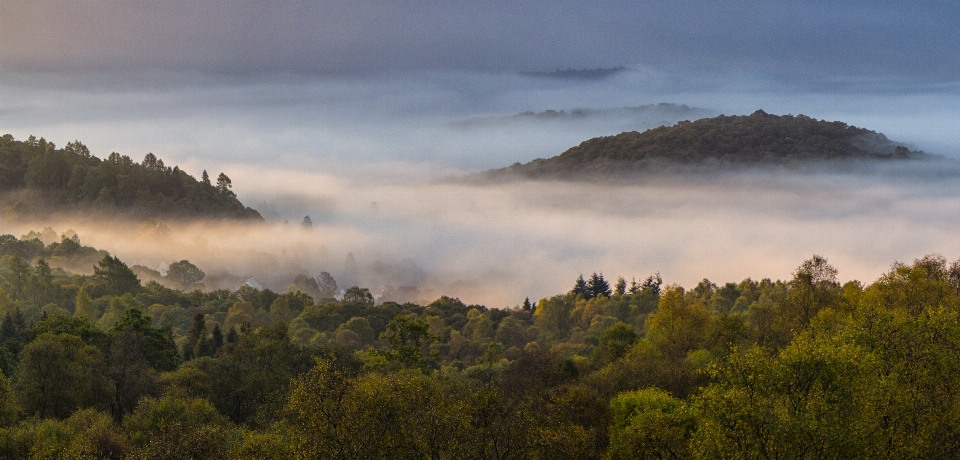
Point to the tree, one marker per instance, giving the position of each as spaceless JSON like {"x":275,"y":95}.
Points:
{"x":651,"y":423}
{"x":614,"y":343}
{"x":621,"y":287}
{"x":17,"y":277}
{"x":408,"y":338}
{"x":131,"y":376}
{"x":115,"y":276}
{"x":814,"y":286}
{"x":84,"y":306}
{"x":328,"y":286}
{"x":197,"y":334}
{"x":307,"y":223}
{"x":224,"y":185}
{"x":598,"y":286}
{"x":178,"y":428}
{"x":358,"y":296}
{"x":155,"y":343}
{"x":57,"y":374}
{"x":580,"y":288}
{"x":205,"y":178}
{"x":185,"y":274}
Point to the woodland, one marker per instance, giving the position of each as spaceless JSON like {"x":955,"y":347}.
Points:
{"x":99,"y":359}
{"x":756,"y":140}
{"x":36,"y":178}
{"x":103,"y":366}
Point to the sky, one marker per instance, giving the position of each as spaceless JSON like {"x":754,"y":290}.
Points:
{"x":352,"y":111}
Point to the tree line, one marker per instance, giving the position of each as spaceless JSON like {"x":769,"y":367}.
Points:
{"x":45,"y":178}
{"x":104,"y":366}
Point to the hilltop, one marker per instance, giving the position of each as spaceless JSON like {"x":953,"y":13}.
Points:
{"x":759,"y":139}
{"x":38,"y":178}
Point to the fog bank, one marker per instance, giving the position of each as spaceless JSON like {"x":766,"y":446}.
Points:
{"x":497,"y":244}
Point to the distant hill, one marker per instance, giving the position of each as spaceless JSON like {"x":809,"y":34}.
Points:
{"x":37,"y":178}
{"x":759,"y":139}
{"x":643,"y":116}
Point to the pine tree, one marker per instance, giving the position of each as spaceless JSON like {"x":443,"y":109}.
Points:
{"x":580,"y":288}
{"x":598,"y":286}
{"x":621,"y":287}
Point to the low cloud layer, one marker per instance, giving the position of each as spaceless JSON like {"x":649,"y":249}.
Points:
{"x":497,"y":244}
{"x":364,"y":158}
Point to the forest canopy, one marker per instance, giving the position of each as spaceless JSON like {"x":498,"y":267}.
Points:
{"x":758,"y":139}
{"x":107,"y":366}
{"x":36,"y":177}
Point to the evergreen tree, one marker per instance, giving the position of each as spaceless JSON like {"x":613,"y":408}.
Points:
{"x":580,"y":288}
{"x":598,"y":286}
{"x":621,"y":287}
{"x":115,"y":276}
{"x":216,"y":338}
{"x":198,"y":333}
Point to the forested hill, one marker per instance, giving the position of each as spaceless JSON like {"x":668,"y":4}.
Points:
{"x":759,"y":139}
{"x":37,"y":177}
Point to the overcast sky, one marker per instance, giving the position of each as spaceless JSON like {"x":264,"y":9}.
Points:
{"x":876,"y":38}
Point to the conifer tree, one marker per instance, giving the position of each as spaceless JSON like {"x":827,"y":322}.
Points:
{"x":621,"y":287}
{"x":598,"y":286}
{"x":580,"y":288}
{"x":84,"y":306}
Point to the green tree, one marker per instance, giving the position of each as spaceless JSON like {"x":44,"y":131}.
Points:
{"x":115,"y":277}
{"x":598,"y":286}
{"x":57,"y":374}
{"x":84,"y":306}
{"x":408,"y":339}
{"x":185,"y":274}
{"x":224,"y":185}
{"x":814,"y":286}
{"x":173,"y":428}
{"x":16,"y":277}
{"x":649,"y":423}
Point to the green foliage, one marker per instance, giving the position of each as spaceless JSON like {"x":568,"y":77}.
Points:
{"x":72,"y":179}
{"x":408,"y":338}
{"x":185,"y":274}
{"x":802,"y":368}
{"x":756,"y":139}
{"x":114,"y":277}
{"x":649,"y":423}
{"x":173,"y":428}
{"x":57,"y":374}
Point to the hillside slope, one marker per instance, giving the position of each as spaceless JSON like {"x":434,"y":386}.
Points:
{"x":37,"y":177}
{"x":759,"y":139}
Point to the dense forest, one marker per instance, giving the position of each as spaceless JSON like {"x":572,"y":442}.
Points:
{"x":105,"y":366}
{"x":38,"y":178}
{"x":759,"y":139}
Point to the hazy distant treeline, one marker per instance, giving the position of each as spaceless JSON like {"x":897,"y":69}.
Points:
{"x":39,"y":178}
{"x":102,"y":366}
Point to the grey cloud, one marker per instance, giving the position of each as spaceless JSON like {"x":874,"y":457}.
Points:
{"x":788,"y":39}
